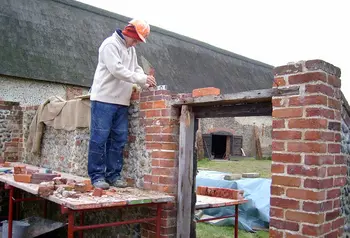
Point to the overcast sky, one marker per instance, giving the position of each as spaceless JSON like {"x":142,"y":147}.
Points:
{"x":272,"y":31}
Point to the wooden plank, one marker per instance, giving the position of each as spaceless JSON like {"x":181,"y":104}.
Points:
{"x":234,"y":110}
{"x":185,"y":172}
{"x":248,"y":96}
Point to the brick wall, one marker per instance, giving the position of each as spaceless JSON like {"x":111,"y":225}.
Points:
{"x":161,"y":126}
{"x":11,"y":141}
{"x":308,"y":169}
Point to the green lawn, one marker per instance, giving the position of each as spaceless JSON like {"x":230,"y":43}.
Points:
{"x":247,"y":165}
{"x":236,"y":167}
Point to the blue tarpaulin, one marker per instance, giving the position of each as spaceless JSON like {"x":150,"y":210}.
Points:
{"x":253,"y":214}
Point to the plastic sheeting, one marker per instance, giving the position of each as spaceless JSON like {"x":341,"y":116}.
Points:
{"x":252,"y":215}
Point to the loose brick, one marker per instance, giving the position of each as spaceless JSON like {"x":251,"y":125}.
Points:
{"x":311,"y":123}
{"x":19,"y":169}
{"x":304,"y":217}
{"x":284,"y":203}
{"x":308,"y":100}
{"x":318,"y":183}
{"x":319,"y":136}
{"x":286,"y":135}
{"x":284,"y":225}
{"x":286,"y":181}
{"x":286,"y":158}
{"x":307,"y":77}
{"x":317,"y":206}
{"x":210,"y":91}
{"x":278,"y":123}
{"x":97,"y":192}
{"x":305,"y":194}
{"x":278,"y":146}
{"x":277,"y":82}
{"x":277,"y":168}
{"x":23,"y":178}
{"x":287,"y":112}
{"x":307,"y":147}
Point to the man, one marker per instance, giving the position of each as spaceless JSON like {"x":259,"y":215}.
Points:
{"x":116,"y":73}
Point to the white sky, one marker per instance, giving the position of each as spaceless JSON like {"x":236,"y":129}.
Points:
{"x":272,"y":31}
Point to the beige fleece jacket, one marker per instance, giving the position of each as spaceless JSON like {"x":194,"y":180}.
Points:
{"x":117,"y":70}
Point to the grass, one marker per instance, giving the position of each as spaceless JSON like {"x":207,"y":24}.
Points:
{"x":210,"y":231}
{"x":246,"y":165}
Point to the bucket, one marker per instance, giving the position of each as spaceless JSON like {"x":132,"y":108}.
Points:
{"x":19,"y":229}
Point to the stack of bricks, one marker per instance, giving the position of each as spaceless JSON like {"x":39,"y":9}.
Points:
{"x":11,"y":136}
{"x":308,"y":169}
{"x":161,"y":125}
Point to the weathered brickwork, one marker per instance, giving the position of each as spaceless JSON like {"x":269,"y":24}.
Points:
{"x":305,"y":194}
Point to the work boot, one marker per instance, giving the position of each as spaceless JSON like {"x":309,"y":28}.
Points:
{"x":101,"y":184}
{"x":119,"y":184}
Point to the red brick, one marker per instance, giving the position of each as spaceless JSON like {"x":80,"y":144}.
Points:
{"x":161,"y":138}
{"x":319,"y":88}
{"x":210,"y":91}
{"x":308,"y":123}
{"x":304,"y":217}
{"x":284,"y":203}
{"x":278,"y":146}
{"x":97,"y":192}
{"x":339,"y":182}
{"x":146,"y":105}
{"x":287,"y":112}
{"x":317,"y":206}
{"x":277,"y":168}
{"x":320,"y":112}
{"x":333,"y":234}
{"x":276,"y":212}
{"x":164,"y":188}
{"x":305,"y":194}
{"x":153,"y":113}
{"x":337,"y":137}
{"x":290,"y":235}
{"x":286,"y":181}
{"x":286,"y":135}
{"x":307,"y":77}
{"x":153,"y":130}
{"x":147,"y":178}
{"x":306,"y":171}
{"x":166,"y":163}
{"x":23,"y":178}
{"x":155,"y":163}
{"x":275,"y":233}
{"x":284,"y":225}
{"x":336,"y":104}
{"x":334,"y":193}
{"x":278,"y":123}
{"x":319,"y":135}
{"x":307,"y":147}
{"x":334,"y":148}
{"x":162,"y":146}
{"x":340,"y":222}
{"x":167,"y":180}
{"x":279,"y":102}
{"x":286,"y":158}
{"x":318,"y":183}
{"x":164,"y":154}
{"x":277,"y":82}
{"x":319,"y":159}
{"x":330,"y":216}
{"x":159,"y":104}
{"x":170,"y":112}
{"x":336,"y":170}
{"x":311,"y":230}
{"x":308,"y":100}
{"x":163,"y":171}
{"x":278,"y":191}
{"x":334,"y":81}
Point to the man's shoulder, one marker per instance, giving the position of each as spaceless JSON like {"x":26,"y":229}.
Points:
{"x":111,"y":40}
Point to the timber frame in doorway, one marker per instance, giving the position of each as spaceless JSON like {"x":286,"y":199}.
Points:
{"x":250,"y":103}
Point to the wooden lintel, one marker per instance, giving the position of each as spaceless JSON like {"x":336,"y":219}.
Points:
{"x":235,"y":110}
{"x":263,"y":95}
{"x":185,"y":179}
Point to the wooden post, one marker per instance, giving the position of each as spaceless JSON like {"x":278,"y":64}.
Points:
{"x":185,"y":182}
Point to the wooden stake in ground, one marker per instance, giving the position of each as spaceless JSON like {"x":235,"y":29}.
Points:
{"x":257,"y":143}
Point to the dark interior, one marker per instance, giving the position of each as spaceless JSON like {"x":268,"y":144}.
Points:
{"x":219,"y":146}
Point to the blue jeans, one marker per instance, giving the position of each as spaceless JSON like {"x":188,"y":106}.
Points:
{"x":108,"y":136}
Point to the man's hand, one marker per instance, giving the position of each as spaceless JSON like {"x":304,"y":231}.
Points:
{"x":151,"y":81}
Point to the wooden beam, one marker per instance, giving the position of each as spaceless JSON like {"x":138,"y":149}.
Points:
{"x":185,"y":181}
{"x":235,"y":110}
{"x":263,"y":95}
